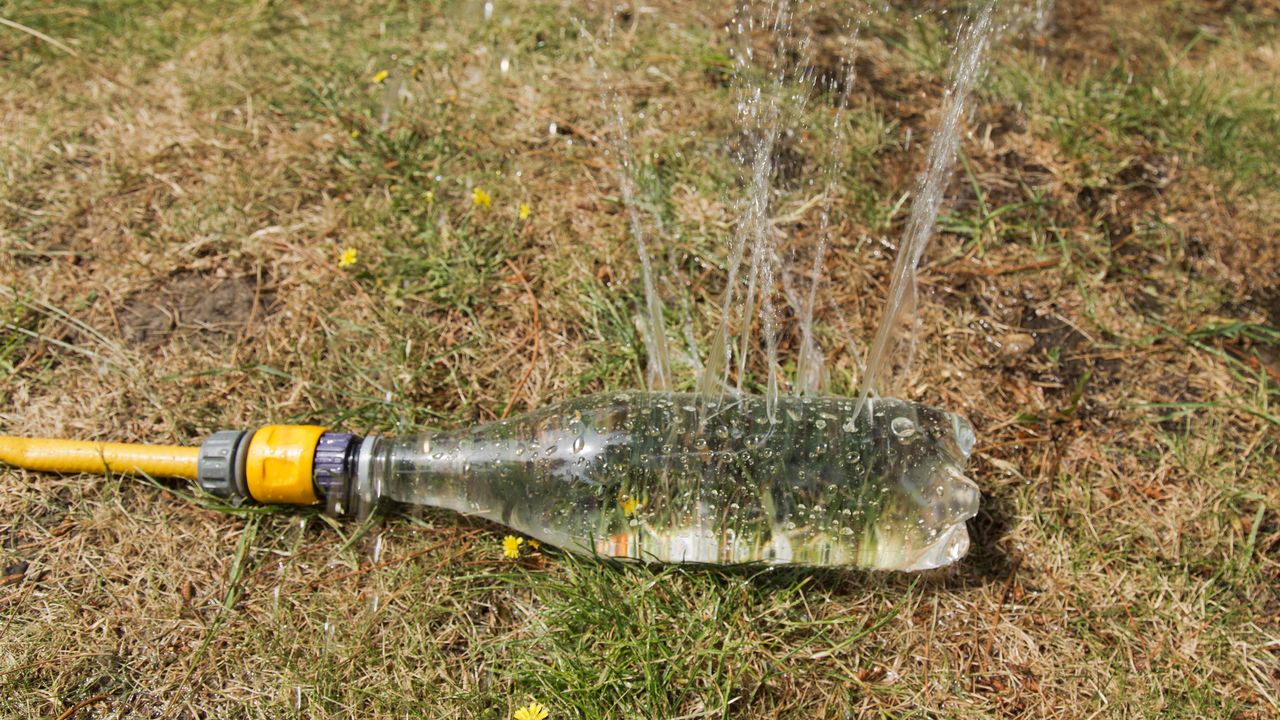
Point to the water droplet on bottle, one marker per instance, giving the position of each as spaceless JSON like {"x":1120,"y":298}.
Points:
{"x":579,"y":443}
{"x":902,"y":427}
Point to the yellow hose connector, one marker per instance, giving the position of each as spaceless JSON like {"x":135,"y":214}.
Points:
{"x":87,"y":456}
{"x":279,"y":464}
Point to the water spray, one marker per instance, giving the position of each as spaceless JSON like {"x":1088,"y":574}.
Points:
{"x":661,"y":477}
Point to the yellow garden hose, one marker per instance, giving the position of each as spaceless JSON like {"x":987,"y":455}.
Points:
{"x":86,"y":456}
{"x":284,"y":464}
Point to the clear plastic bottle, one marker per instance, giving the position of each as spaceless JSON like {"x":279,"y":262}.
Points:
{"x":685,"y":478}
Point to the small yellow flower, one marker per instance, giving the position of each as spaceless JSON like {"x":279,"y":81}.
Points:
{"x":511,"y":546}
{"x":534,"y":544}
{"x":532,"y":711}
{"x":481,"y":198}
{"x":380,"y":77}
{"x":525,"y":210}
{"x":348,"y":258}
{"x":355,"y":134}
{"x":429,"y":196}
{"x":629,"y":505}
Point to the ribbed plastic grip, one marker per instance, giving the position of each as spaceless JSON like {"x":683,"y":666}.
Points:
{"x":216,"y":470}
{"x":335,"y":458}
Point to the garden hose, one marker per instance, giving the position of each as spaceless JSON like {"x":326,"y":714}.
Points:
{"x":81,"y":456}
{"x":281,"y":464}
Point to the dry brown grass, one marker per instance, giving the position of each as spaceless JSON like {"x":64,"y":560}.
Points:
{"x":172,"y":206}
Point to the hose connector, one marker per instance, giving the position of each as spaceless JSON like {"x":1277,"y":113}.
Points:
{"x":335,"y":470}
{"x":278,"y":466}
{"x":284,"y":464}
{"x":220,"y":466}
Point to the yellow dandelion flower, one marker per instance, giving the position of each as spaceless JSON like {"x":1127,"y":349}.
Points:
{"x":534,"y":544}
{"x":532,"y":711}
{"x":381,"y":77}
{"x":511,"y":546}
{"x":525,"y":210}
{"x":429,"y":196}
{"x":355,"y":134}
{"x":348,"y":258}
{"x":629,"y":505}
{"x":481,"y":198}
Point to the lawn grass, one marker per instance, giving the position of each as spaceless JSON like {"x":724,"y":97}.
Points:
{"x":177,"y":185}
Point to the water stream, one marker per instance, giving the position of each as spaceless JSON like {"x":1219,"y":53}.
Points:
{"x":773,"y":87}
{"x":897,"y":320}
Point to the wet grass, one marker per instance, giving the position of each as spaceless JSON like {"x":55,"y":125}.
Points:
{"x":1101,"y":303}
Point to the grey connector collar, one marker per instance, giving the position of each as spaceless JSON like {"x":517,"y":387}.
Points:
{"x":220,"y":469}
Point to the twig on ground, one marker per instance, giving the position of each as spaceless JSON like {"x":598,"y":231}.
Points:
{"x":82,"y":704}
{"x":39,"y":35}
